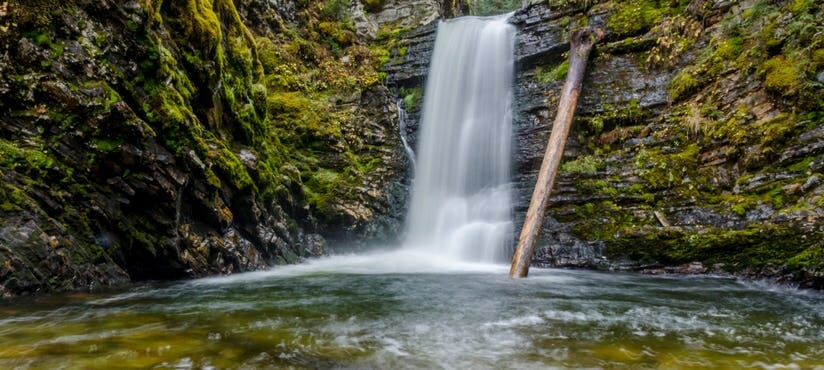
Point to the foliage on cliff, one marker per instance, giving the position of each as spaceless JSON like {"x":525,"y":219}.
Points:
{"x":172,"y":138}
{"x":735,"y":157}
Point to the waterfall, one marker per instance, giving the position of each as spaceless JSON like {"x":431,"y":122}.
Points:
{"x":404,"y":140}
{"x":461,"y":204}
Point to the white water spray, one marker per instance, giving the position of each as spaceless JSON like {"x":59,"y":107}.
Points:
{"x":461,"y":205}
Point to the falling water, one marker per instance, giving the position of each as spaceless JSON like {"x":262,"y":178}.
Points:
{"x":461,"y":203}
{"x":402,"y":127}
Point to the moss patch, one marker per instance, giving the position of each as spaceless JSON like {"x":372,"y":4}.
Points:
{"x":754,"y":246}
{"x":547,"y":74}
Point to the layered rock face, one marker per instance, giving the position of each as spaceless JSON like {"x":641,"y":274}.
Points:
{"x":155,"y":140}
{"x":698,"y":139}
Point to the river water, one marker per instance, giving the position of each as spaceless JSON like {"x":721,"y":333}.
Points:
{"x":402,"y":310}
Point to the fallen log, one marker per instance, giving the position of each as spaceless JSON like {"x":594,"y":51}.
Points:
{"x":581,"y":42}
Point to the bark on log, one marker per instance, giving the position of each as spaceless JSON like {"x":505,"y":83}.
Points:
{"x":581,"y":43}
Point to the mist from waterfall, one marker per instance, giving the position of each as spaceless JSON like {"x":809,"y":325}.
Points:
{"x":461,"y":205}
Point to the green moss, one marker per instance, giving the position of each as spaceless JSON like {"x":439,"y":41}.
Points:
{"x":754,"y":246}
{"x":337,"y":35}
{"x":387,"y":38}
{"x":682,"y":84}
{"x":233,"y":169}
{"x":603,"y":221}
{"x":774,"y":134}
{"x":661,"y":170}
{"x":633,"y":17}
{"x":321,"y":187}
{"x":739,"y":204}
{"x":107,"y":145}
{"x":728,"y":49}
{"x":611,"y":116}
{"x":734,"y":128}
{"x":411,"y":97}
{"x":556,"y":73}
{"x":335,"y":9}
{"x":781,"y":75}
{"x":811,"y":258}
{"x":212,"y":179}
{"x":302,"y":86}
{"x":39,"y":37}
{"x":802,"y":166}
{"x":755,"y":151}
{"x":143,"y":241}
{"x":817,"y":59}
{"x":203,"y":85}
{"x":300,"y":118}
{"x":201,"y":24}
{"x":779,"y":40}
{"x":12,"y":198}
{"x":240,"y":55}
{"x":388,"y":33}
{"x":34,"y":162}
{"x":583,"y":165}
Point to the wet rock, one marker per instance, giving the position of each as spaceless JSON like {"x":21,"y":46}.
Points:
{"x":572,"y":253}
{"x":690,"y":269}
{"x":248,"y":158}
{"x":810,"y":280}
{"x":314,"y":245}
{"x":813,"y":135}
{"x":368,"y":213}
{"x":267,"y":17}
{"x":564,"y":250}
{"x":717,"y":269}
{"x":34,"y":257}
{"x":763,"y":179}
{"x":366,"y":27}
{"x":811,"y":183}
{"x":410,"y":69}
{"x":702,"y":216}
{"x":760,"y":213}
{"x":407,"y":13}
{"x":539,"y":39}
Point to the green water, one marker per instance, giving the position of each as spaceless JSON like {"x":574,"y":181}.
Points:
{"x":391,"y":313}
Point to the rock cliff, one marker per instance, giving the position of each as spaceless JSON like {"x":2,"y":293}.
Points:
{"x":159,"y":139}
{"x":698,"y":137}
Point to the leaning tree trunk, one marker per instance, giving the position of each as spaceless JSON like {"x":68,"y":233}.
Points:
{"x":580,"y":45}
